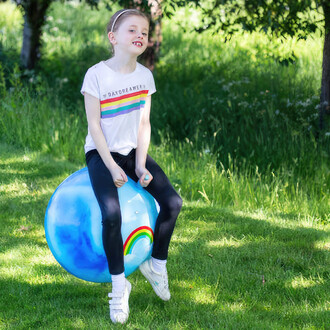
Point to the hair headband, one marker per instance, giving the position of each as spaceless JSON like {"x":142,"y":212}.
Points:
{"x":114,"y":22}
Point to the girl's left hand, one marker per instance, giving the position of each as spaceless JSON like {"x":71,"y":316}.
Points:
{"x":142,"y":173}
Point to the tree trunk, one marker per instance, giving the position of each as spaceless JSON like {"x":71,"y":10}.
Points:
{"x":150,"y":56}
{"x":34,"y":19}
{"x":325,"y":87}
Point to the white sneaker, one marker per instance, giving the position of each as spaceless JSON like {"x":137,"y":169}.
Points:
{"x":158,"y":281}
{"x":119,"y":308}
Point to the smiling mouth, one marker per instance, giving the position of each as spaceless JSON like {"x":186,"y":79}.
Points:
{"x":137,"y":43}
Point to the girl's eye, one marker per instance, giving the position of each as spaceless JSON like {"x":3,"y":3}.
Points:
{"x":131,"y":30}
{"x":145,"y":34}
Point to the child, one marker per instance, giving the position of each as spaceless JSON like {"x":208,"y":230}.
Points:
{"x":117,"y":95}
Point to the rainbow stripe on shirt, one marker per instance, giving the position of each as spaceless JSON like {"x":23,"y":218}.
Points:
{"x":117,"y":106}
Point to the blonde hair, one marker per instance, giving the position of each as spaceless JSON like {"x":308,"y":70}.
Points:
{"x":118,"y":17}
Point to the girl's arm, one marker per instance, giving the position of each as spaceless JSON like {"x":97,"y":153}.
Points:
{"x":93,"y":112}
{"x":143,"y":144}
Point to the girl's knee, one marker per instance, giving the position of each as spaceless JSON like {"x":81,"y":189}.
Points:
{"x":178,"y":203}
{"x":111,"y":218}
{"x":173,"y":204}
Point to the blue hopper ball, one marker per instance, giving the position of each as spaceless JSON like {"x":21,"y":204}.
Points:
{"x":73,"y":227}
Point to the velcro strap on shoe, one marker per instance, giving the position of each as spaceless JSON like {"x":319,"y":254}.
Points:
{"x":116,"y":294}
{"x":115,"y":302}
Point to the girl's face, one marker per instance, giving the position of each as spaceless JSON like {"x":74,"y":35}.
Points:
{"x":131,"y":36}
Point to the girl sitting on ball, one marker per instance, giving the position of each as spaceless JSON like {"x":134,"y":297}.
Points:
{"x":117,"y":94}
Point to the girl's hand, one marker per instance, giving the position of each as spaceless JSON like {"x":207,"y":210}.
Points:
{"x":142,"y":173}
{"x":118,"y":176}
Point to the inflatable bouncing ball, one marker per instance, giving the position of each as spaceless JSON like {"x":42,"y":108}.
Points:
{"x":73,"y":227}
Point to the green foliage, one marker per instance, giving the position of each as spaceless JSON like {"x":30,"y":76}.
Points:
{"x":234,"y":112}
{"x":10,"y":36}
{"x":71,"y":45}
{"x":282,"y":18}
{"x":242,"y":100}
{"x":34,"y":120}
{"x":287,"y":190}
{"x":3,"y":89}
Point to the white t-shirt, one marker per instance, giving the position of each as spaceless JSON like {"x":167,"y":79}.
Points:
{"x":122,"y":98}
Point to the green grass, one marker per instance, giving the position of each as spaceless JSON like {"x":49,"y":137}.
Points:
{"x":197,"y":177}
{"x":235,"y":130}
{"x":228,"y":108}
{"x":228,"y":269}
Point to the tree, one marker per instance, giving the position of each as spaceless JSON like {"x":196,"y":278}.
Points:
{"x":34,"y":13}
{"x":280,"y":18}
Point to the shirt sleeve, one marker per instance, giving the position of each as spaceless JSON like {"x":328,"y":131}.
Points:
{"x":90,"y":84}
{"x":152,"y":86}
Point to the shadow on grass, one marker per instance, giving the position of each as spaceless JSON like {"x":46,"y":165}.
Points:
{"x":62,"y":301}
{"x":270,"y":270}
{"x":39,"y":168}
{"x":212,"y":285}
{"x":27,"y":182}
{"x":56,"y":304}
{"x":220,"y":232}
{"x":226,"y":270}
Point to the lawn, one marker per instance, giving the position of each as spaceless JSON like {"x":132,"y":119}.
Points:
{"x":227,"y":269}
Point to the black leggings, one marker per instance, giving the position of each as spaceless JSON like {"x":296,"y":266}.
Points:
{"x":107,"y":196}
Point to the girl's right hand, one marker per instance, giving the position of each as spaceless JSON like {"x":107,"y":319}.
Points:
{"x":118,"y":176}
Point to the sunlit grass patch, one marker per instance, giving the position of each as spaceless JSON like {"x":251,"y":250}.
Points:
{"x":200,"y":293}
{"x":225,"y":242}
{"x":225,"y":268}
{"x":323,"y":245}
{"x":301,"y":282}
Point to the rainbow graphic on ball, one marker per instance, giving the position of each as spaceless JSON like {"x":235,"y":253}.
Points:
{"x":135,"y":235}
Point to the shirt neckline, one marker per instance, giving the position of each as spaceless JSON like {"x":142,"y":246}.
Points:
{"x":119,"y":73}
